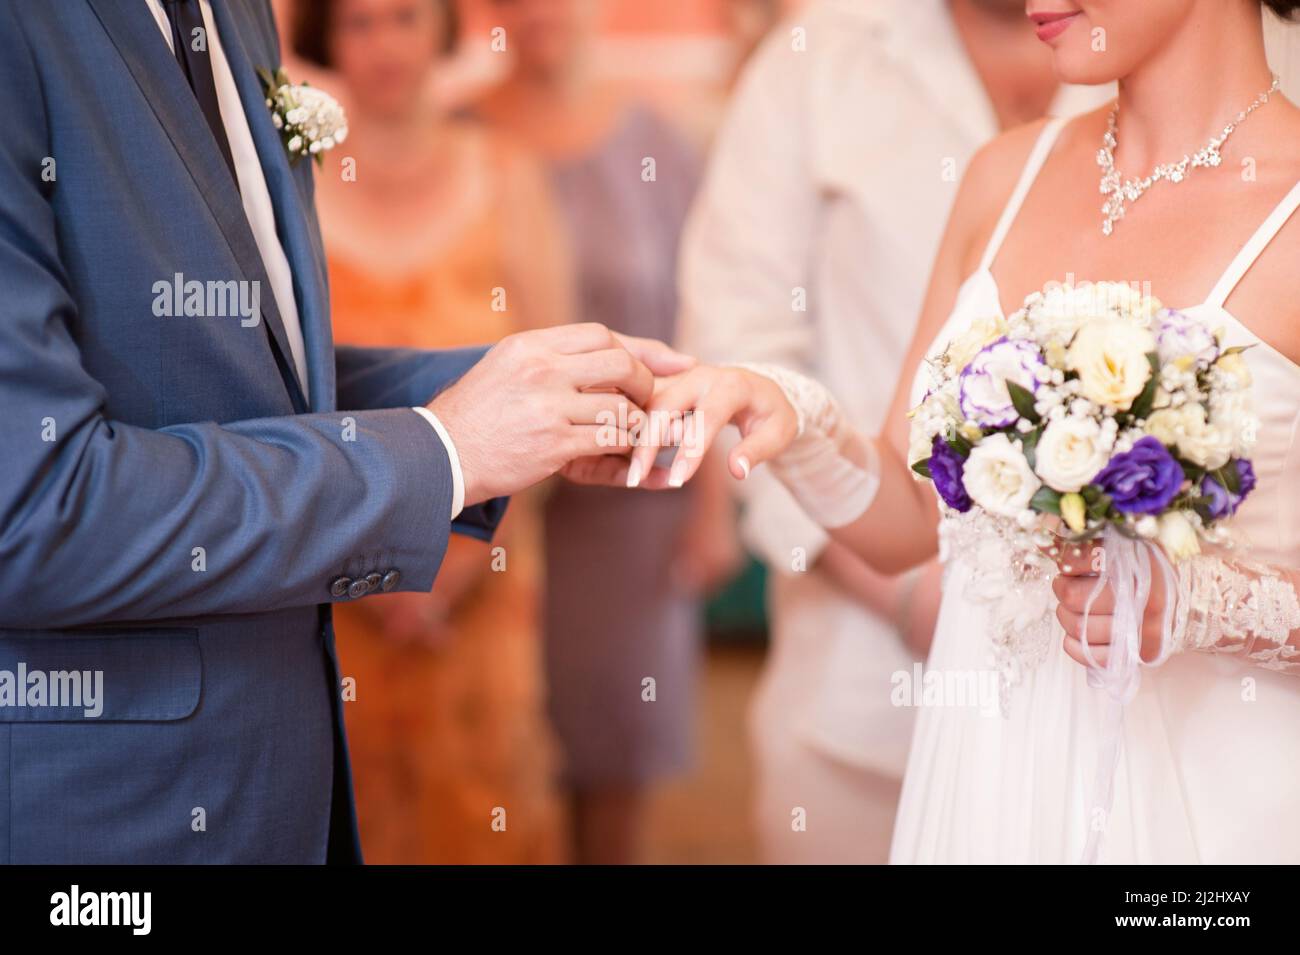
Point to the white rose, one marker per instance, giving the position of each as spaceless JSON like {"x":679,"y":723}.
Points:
{"x":981,"y":332}
{"x":1167,"y":424}
{"x":998,"y":477}
{"x":1178,"y":536}
{"x":1233,"y":413}
{"x":1063,"y":309}
{"x":1071,"y":452}
{"x":1203,"y":442}
{"x":1233,"y":367}
{"x":1056,"y":315}
{"x":1110,"y":358}
{"x":1196,"y":438}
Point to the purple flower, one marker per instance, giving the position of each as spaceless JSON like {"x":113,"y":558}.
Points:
{"x":1246,"y":474}
{"x":984,"y":397}
{"x":1142,"y":480}
{"x":946,"y":467}
{"x":1220,"y":501}
{"x":1178,"y":335}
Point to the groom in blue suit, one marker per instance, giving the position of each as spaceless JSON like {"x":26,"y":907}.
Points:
{"x":185,"y":489}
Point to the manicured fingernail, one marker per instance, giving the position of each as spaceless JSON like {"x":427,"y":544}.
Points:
{"x":743,"y":462}
{"x":677,"y":476}
{"x":634,"y":474}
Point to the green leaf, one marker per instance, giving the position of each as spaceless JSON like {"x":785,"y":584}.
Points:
{"x":1235,"y":350}
{"x":1228,"y":478}
{"x":268,"y":80}
{"x":1099,"y":508}
{"x":1141,"y":406}
{"x":923,"y":468}
{"x":959,"y":445}
{"x":1046,"y":501}
{"x":1022,"y":399}
{"x":1029,"y":445}
{"x":1193,"y":472}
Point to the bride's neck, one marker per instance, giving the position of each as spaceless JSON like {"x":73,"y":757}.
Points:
{"x":1208,"y":72}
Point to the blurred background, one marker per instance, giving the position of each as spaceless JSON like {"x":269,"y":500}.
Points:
{"x":494,"y":180}
{"x":615,"y":679}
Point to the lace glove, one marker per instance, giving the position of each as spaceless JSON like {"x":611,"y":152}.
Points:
{"x":1237,"y":607}
{"x":830,"y":469}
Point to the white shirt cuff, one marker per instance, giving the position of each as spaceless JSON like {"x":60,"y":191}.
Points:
{"x":457,"y":476}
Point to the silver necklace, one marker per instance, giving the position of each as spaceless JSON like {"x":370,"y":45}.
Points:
{"x":1119,"y":192}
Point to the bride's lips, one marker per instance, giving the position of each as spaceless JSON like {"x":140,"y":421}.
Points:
{"x":1049,"y":26}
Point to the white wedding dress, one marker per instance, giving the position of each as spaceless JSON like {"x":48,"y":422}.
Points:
{"x":1209,"y":769}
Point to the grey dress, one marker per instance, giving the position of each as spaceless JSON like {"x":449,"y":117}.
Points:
{"x":613,"y":614}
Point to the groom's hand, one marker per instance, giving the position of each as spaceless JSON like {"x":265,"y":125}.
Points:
{"x":540,"y":399}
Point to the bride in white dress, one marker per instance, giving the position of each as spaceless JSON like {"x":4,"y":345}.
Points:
{"x":1211,"y":741}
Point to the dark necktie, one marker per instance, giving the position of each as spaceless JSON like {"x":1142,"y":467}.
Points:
{"x":186,"y":17}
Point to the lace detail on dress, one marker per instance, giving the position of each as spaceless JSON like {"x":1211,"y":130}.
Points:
{"x":1015,"y":584}
{"x":1241,"y":608}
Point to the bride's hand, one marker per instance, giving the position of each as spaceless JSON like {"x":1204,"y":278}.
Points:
{"x":1079,"y":565}
{"x":691,"y":409}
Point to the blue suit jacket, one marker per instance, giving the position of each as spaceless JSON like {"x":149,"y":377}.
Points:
{"x":172,"y":512}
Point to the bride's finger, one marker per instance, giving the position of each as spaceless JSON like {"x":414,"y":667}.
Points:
{"x":676,"y":416}
{"x":1074,"y":649}
{"x":1073,"y":594}
{"x":1098,"y":630}
{"x":715,"y":410}
{"x":762,"y":438}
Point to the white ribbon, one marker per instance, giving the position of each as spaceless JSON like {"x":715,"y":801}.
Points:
{"x":1126,"y":569}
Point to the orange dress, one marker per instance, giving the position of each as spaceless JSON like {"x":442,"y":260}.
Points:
{"x":451,"y":751}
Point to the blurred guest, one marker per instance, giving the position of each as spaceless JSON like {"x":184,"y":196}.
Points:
{"x":439,"y":235}
{"x":809,"y":247}
{"x":621,"y":614}
{"x":748,"y":23}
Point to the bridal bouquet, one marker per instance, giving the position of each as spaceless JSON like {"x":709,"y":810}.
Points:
{"x":1091,"y":413}
{"x":1091,"y":407}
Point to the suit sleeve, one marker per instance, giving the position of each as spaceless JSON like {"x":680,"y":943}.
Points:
{"x":371,"y":378}
{"x":103,"y":521}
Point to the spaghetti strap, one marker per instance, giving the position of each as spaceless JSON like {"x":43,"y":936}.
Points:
{"x":1252,"y":249}
{"x":1037,"y":156}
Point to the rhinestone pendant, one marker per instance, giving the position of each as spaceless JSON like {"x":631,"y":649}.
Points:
{"x":1118,"y":192}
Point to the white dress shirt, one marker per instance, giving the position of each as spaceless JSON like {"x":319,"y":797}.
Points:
{"x":834,"y":173}
{"x":261,"y":219}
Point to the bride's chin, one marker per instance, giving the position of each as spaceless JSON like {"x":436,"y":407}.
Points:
{"x":1084,"y":67}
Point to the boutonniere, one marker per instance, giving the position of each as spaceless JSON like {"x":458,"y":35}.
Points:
{"x":310,"y":121}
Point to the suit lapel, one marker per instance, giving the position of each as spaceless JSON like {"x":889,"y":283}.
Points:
{"x":139,"y":42}
{"x":290,"y":195}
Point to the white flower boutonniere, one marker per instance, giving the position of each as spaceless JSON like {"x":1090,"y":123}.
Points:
{"x":310,"y":121}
